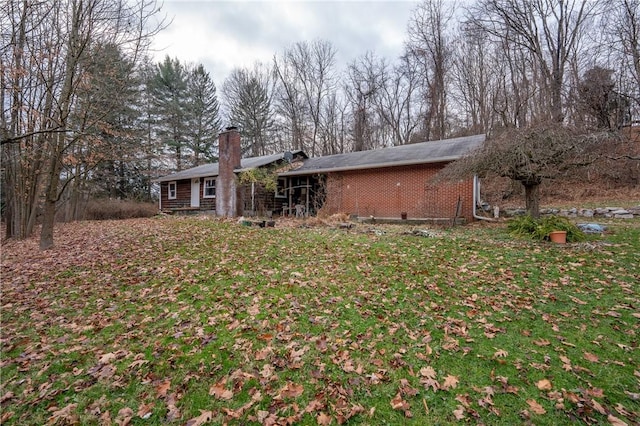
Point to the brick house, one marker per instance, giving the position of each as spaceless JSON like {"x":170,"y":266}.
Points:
{"x":214,"y":188}
{"x":391,"y":182}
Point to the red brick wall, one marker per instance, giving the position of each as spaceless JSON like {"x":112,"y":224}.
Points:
{"x":228,"y":201}
{"x":387,"y":192}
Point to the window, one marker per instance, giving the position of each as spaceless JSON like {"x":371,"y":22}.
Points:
{"x":282,"y":187}
{"x":173,"y":190}
{"x":209,"y":190}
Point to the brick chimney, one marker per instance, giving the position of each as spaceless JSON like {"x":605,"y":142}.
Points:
{"x":228,"y":200}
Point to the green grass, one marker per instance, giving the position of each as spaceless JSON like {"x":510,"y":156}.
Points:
{"x":156,"y":317}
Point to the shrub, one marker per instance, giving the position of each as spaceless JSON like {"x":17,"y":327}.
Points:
{"x":105,"y":209}
{"x":539,"y":229}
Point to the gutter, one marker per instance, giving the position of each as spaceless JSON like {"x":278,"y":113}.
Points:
{"x":476,"y":196}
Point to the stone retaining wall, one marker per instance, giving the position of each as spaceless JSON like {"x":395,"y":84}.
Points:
{"x":606,"y":212}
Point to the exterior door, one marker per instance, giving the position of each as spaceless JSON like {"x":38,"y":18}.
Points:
{"x":195,"y":192}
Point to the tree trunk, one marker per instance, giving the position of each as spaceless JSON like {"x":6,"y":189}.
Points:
{"x":48,"y":221}
{"x":532,"y":199}
{"x":51,"y":196}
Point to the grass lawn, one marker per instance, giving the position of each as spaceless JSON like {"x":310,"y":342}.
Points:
{"x":200,"y":321}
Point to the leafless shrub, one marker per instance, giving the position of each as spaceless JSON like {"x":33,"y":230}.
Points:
{"x":119,"y":209}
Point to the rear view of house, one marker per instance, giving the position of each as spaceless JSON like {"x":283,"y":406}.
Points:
{"x":394,"y":182}
{"x":391,"y":182}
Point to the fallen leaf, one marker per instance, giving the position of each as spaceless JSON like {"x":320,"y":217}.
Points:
{"x":541,"y":342}
{"x":107,"y":358}
{"x":253,"y":310}
{"x":291,"y":390}
{"x":105,"y":419}
{"x":428,"y":372}
{"x":204,"y":417}
{"x":632,"y":395}
{"x":323,"y":419}
{"x":397,"y":403}
{"x":599,"y":408}
{"x":173,"y":411}
{"x":595,"y":392}
{"x":622,"y":410}
{"x":145,"y":410}
{"x":500,"y":353}
{"x":163,"y":387}
{"x":459,"y":413}
{"x":450,"y":382}
{"x":578,"y":301}
{"x":124,"y":416}
{"x":536,"y":407}
{"x":219,"y":391}
{"x":591,"y":357}
{"x":7,"y":396}
{"x":64,"y":415}
{"x":616,"y":421}
{"x":544,"y":384}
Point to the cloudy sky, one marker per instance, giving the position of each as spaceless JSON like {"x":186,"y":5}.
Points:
{"x":223,"y":35}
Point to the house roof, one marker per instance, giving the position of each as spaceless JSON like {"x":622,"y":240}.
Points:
{"x":419,"y":153}
{"x":207,"y":170}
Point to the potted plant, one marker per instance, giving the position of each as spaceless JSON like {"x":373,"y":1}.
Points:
{"x":559,"y":237}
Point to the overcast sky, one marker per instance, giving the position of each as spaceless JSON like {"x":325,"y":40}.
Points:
{"x":223,"y":35}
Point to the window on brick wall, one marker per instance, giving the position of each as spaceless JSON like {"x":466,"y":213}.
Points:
{"x":172,"y":190}
{"x":209,"y":190}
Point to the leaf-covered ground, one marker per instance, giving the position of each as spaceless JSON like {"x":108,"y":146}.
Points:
{"x":196,"y":321}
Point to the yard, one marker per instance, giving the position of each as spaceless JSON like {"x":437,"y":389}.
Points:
{"x":201,"y":321}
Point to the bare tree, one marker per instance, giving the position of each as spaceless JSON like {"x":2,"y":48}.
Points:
{"x":622,"y":29}
{"x":397,"y":101}
{"x":476,"y":75}
{"x":550,"y":31}
{"x":43,"y":57}
{"x":431,"y":47}
{"x":529,"y":156}
{"x":306,"y":78}
{"x":364,"y":81}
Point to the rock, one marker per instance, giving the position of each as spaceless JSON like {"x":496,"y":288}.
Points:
{"x":623,"y":216}
{"x":425,"y":233}
{"x":591,"y":228}
{"x":620,"y":211}
{"x":600,"y":211}
{"x":587,"y":213}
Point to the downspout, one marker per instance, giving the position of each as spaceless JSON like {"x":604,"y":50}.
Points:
{"x":160,"y":197}
{"x":476,"y":196}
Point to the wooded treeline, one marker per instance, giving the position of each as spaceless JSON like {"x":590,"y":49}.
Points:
{"x":87,"y":114}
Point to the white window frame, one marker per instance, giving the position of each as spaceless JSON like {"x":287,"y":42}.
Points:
{"x":175,"y":190}
{"x":205,"y":186}
{"x":283,"y":193}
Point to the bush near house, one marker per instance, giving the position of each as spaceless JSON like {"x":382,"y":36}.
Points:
{"x":107,"y":209}
{"x":539,"y":229}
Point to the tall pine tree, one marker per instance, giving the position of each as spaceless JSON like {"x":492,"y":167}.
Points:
{"x":203,"y":116}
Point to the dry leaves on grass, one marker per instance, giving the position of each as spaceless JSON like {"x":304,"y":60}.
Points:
{"x":204,"y":418}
